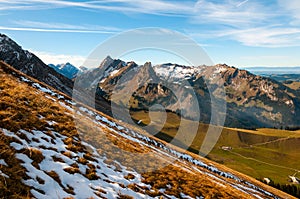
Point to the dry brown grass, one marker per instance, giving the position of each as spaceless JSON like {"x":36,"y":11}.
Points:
{"x":74,"y":168}
{"x":121,"y":196}
{"x":91,"y":173}
{"x":11,"y":187}
{"x":177,"y":181}
{"x":34,"y":154}
{"x":129,"y":177}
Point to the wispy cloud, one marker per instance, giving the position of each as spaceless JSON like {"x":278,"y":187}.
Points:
{"x":135,"y":6}
{"x":269,"y":36}
{"x":250,"y":22}
{"x":54,"y":30}
{"x":242,"y":3}
{"x":228,"y":12}
{"x":234,"y":13}
{"x":51,"y":58}
{"x":292,"y":8}
{"x":50,"y":25}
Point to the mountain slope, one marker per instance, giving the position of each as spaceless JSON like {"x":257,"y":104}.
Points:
{"x":13,"y":54}
{"x":253,"y":97}
{"x":58,"y":156}
{"x":252,"y":101}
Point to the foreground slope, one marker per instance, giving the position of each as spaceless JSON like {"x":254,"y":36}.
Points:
{"x":48,"y":154}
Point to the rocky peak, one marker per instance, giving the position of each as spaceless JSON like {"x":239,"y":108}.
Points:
{"x":147,"y":73}
{"x":106,"y":62}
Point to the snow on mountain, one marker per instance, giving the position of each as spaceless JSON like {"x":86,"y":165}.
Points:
{"x":176,"y":72}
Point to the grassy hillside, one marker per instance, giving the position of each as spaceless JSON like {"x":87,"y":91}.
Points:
{"x":261,"y":153}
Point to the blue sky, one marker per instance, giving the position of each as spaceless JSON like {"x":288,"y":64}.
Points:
{"x":241,"y":33}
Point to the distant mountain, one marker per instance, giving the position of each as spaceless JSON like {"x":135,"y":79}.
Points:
{"x":25,"y":61}
{"x":67,"y":69}
{"x":266,"y":71}
{"x":285,"y":77}
{"x":252,"y":101}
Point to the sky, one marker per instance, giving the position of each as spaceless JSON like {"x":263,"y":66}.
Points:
{"x":240,"y":33}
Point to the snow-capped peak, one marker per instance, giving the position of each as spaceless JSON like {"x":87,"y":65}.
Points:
{"x":176,"y":72}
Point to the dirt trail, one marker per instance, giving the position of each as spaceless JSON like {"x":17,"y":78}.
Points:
{"x":263,"y":162}
{"x":272,"y":141}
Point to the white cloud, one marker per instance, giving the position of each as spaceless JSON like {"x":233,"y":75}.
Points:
{"x":51,"y":58}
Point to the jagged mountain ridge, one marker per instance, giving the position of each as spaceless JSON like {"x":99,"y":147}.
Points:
{"x":252,"y":101}
{"x":54,"y":159}
{"x":25,"y":61}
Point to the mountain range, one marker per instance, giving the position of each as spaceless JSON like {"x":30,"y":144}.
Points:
{"x":252,"y":101}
